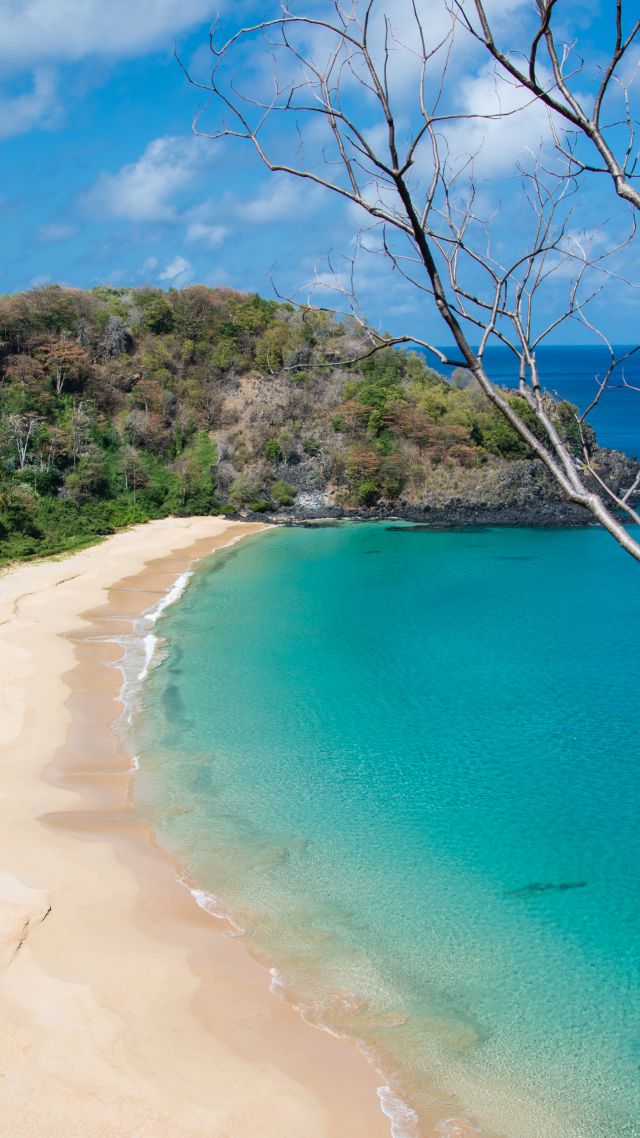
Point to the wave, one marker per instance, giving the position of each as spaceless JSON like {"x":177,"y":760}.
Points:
{"x":404,"y":1120}
{"x":150,"y":643}
{"x":141,"y":650}
{"x":170,"y":597}
{"x":212,"y":905}
{"x":141,"y":645}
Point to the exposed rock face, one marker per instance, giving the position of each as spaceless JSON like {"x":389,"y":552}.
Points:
{"x":119,"y":405}
{"x":458,"y":489}
{"x":500,"y":493}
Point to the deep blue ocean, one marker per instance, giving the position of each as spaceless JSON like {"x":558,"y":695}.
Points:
{"x":571,"y":373}
{"x":406,"y":763}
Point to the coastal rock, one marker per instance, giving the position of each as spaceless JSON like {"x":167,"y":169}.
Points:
{"x":500,"y":493}
{"x":205,"y":401}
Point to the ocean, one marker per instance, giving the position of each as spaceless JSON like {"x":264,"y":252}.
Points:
{"x":572,"y":373}
{"x":405,"y":764}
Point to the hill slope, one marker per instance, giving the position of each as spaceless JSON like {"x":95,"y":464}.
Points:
{"x":119,"y":405}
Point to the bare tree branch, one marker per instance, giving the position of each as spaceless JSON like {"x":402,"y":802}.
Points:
{"x":407,"y":184}
{"x":556,"y":92}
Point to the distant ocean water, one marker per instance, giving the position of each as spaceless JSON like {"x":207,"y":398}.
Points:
{"x":406,"y":763}
{"x":572,"y":373}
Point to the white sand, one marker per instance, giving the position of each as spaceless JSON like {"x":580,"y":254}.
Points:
{"x":125,"y":1009}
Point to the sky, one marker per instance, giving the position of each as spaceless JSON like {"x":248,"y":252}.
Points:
{"x":104,"y":181}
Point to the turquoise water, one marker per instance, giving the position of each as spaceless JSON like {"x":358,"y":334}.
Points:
{"x":407,"y":763}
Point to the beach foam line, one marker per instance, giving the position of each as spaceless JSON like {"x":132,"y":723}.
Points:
{"x":149,"y":643}
{"x":139,"y":650}
{"x":171,"y":596}
{"x":212,"y":905}
{"x":404,"y":1120}
{"x":140,"y":646}
{"x":150,"y":617}
{"x":149,"y":640}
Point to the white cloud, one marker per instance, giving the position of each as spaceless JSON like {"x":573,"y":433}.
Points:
{"x":206,"y":236}
{"x":59,"y":30}
{"x":281,"y":198}
{"x":56,"y":232}
{"x":178,"y":272}
{"x":398,"y":26}
{"x":19,"y":113}
{"x":38,"y":34}
{"x":629,"y":70}
{"x":144,"y":190}
{"x":395,"y":30}
{"x":520,"y":126}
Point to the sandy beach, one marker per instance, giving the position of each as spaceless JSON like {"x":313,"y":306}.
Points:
{"x":126,"y":1009}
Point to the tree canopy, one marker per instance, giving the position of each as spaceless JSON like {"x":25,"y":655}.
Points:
{"x":118,"y":405}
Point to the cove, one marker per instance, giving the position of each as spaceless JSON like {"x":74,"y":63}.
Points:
{"x":406,"y":764}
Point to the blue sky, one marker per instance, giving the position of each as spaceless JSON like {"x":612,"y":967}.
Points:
{"x":104,"y":182}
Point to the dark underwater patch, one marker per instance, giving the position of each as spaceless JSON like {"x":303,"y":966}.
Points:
{"x":546,"y":887}
{"x":438,"y":527}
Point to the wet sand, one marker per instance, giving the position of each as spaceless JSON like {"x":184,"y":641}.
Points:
{"x":127,"y":1010}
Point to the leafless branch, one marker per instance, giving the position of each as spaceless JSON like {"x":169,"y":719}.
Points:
{"x":337,"y":73}
{"x":550,"y":82}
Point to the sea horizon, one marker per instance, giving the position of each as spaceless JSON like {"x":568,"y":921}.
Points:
{"x":570,"y":371}
{"x":320,"y":787}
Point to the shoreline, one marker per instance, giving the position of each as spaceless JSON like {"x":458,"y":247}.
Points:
{"x":127,"y":1009}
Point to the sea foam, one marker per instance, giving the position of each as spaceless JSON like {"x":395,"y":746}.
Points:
{"x":150,"y":643}
{"x":404,"y":1120}
{"x":172,"y":595}
{"x":141,"y":648}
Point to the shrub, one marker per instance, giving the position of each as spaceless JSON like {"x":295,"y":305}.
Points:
{"x":282,"y":493}
{"x":157,"y":313}
{"x":273,"y":450}
{"x":367,"y":492}
{"x":246,"y":491}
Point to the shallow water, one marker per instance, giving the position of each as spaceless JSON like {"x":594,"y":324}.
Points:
{"x":406,"y":762}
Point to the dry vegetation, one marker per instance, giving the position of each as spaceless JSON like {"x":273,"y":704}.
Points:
{"x":119,"y":405}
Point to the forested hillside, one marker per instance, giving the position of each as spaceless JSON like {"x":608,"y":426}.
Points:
{"x":119,"y":405}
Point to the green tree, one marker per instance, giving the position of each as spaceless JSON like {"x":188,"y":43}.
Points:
{"x":282,"y":493}
{"x":199,"y":476}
